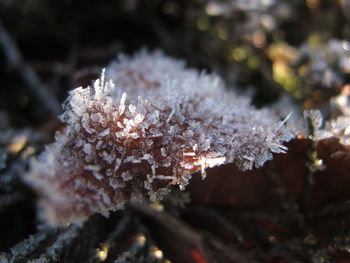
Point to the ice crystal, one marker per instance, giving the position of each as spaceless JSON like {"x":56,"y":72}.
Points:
{"x":146,"y":123}
{"x":339,"y":125}
{"x":290,"y":111}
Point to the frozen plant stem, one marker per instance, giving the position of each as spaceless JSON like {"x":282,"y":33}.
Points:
{"x":156,"y":126}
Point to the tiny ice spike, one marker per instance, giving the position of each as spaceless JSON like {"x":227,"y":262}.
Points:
{"x":155,"y":126}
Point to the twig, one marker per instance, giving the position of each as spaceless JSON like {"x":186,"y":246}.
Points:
{"x":27,"y":247}
{"x":188,"y":233}
{"x":16,"y":62}
{"x":168,"y":221}
{"x":63,"y":240}
{"x":238,"y":234}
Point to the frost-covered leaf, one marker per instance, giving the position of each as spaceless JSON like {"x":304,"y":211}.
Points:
{"x":145,"y":124}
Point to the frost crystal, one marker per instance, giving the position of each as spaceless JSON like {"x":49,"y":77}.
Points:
{"x":339,"y":127}
{"x":155,"y":126}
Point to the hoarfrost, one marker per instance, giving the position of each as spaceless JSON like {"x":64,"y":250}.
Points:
{"x":92,"y":167}
{"x":104,"y":132}
{"x":168,"y":122}
{"x":329,"y":63}
{"x":338,"y":127}
{"x":87,"y":148}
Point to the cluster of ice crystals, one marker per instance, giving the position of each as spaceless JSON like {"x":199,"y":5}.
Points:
{"x":329,"y":63}
{"x":338,"y":127}
{"x":293,"y":116}
{"x":335,"y":128}
{"x":146,"y":123}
